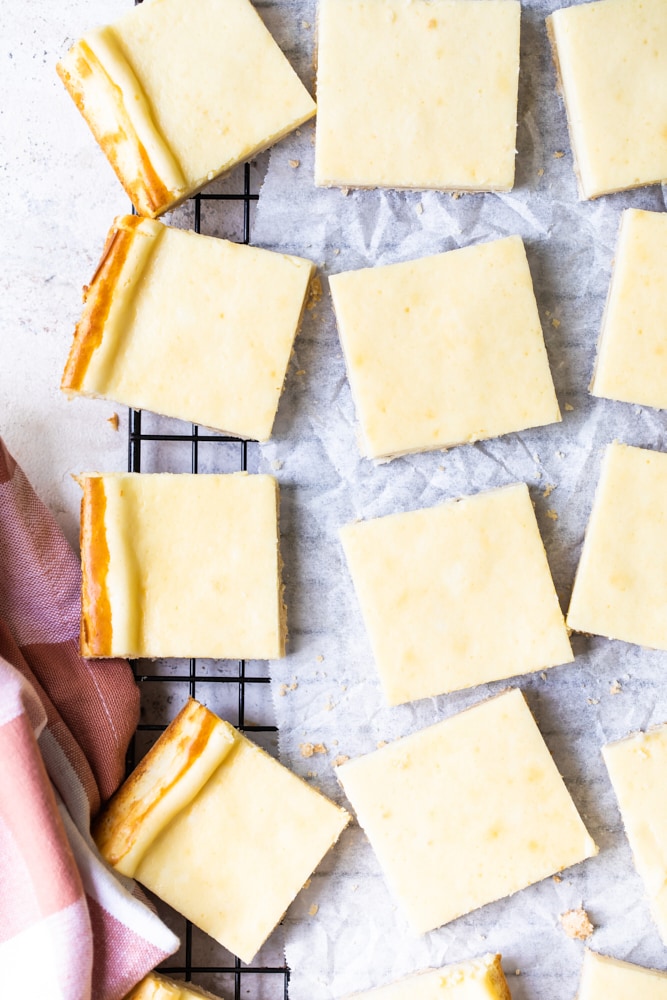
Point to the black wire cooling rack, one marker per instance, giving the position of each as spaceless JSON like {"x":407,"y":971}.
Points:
{"x":200,"y":960}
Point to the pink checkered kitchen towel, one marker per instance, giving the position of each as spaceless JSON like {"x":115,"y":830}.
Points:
{"x":69,"y":928}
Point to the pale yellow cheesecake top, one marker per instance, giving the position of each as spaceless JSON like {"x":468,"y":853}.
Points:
{"x":444,"y":350}
{"x":479,"y":979}
{"x":181,"y":565}
{"x":218,"y":829}
{"x":417,"y":95}
{"x":612,"y":60}
{"x":620,"y":590}
{"x":632,"y":354}
{"x":605,"y":978}
{"x":466,"y":811}
{"x":427,"y":579}
{"x":637,"y":767}
{"x":189,"y":326}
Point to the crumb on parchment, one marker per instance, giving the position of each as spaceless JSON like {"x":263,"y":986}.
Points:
{"x":312,"y":909}
{"x":114,"y":420}
{"x":342,"y":758}
{"x":576,"y":924}
{"x":548,"y":490}
{"x":284,"y":688}
{"x":294,"y":164}
{"x":308,"y":749}
{"x":314,"y":293}
{"x":552,"y":515}
{"x":615,"y":688}
{"x":569,"y":407}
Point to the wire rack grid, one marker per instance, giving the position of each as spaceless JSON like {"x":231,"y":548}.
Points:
{"x":200,"y":960}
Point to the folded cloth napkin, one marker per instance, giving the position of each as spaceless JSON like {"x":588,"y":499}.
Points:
{"x":70,"y":929}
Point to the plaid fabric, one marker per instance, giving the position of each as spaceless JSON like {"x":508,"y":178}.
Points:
{"x":70,"y":929}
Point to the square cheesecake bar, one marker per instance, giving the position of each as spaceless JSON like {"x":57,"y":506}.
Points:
{"x":177,"y":93}
{"x":637,"y":767}
{"x":189,"y":326}
{"x":218,"y":829}
{"x":620,"y":589}
{"x":479,"y":979}
{"x":181,"y":565}
{"x":427,"y":579}
{"x":155,"y":986}
{"x":611,"y":57}
{"x":632,"y":353}
{"x":444,"y":350}
{"x":417,"y":95}
{"x":466,"y":812}
{"x":605,"y":978}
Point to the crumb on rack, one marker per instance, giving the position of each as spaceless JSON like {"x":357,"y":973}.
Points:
{"x":308,"y":749}
{"x":576,"y":924}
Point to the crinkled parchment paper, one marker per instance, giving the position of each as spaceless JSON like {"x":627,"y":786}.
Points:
{"x":346,"y":932}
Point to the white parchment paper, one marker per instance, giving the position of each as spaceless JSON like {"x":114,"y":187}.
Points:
{"x":346,"y":931}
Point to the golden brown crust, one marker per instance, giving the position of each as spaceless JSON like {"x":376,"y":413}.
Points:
{"x":118,"y":825}
{"x":97,"y":298}
{"x":147,"y":192}
{"x":96,"y":629}
{"x":498,"y":979}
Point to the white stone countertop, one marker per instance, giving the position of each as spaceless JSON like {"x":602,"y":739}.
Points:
{"x":60,"y":198}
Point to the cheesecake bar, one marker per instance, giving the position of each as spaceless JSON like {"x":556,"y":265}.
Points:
{"x":466,"y":812}
{"x":611,"y":57}
{"x":479,"y":979}
{"x":189,"y":326}
{"x":155,"y":986}
{"x":620,"y":590}
{"x":218,"y":829}
{"x":637,"y":767}
{"x":427,"y":579}
{"x":417,"y":95}
{"x":444,"y":350}
{"x":181,"y":565}
{"x":632,"y":353}
{"x":177,"y":93}
{"x":605,"y":978}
